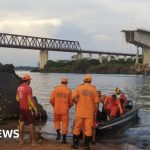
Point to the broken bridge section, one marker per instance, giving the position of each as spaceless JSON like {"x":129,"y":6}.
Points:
{"x":140,"y":38}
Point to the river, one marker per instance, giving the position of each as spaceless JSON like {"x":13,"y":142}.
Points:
{"x":136,"y":87}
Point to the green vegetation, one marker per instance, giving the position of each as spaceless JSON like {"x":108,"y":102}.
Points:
{"x":89,"y":66}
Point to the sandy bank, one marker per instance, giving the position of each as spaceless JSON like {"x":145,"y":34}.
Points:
{"x":52,"y":145}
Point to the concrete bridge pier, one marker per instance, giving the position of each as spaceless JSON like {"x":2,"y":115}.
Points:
{"x":137,"y":56}
{"x":146,"y":56}
{"x":100,"y":58}
{"x":109,"y":58}
{"x":117,"y":57}
{"x":90,"y":56}
{"x":43,"y":58}
{"x":125,"y":58}
{"x":79,"y":55}
{"x":133,"y":58}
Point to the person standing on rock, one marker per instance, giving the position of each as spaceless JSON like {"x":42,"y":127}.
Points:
{"x":26,"y":107}
{"x":86,"y":98}
{"x":61,"y":101}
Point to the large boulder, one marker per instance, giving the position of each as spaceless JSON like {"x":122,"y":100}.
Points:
{"x":9,"y":83}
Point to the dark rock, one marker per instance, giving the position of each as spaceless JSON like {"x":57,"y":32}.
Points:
{"x":9,"y":83}
{"x":42,"y":113}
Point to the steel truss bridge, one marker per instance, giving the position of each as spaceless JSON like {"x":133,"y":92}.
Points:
{"x":39,"y":43}
{"x":48,"y":44}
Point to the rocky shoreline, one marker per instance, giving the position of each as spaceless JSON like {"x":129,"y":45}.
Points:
{"x":9,"y":83}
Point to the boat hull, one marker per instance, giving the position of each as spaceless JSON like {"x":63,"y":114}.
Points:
{"x":119,"y":122}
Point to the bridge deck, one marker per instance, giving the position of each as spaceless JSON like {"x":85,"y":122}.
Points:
{"x":139,"y":37}
{"x":39,"y":43}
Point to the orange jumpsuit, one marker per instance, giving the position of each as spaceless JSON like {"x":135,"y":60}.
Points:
{"x":113,"y":108}
{"x":61,"y":100}
{"x":87,"y":97}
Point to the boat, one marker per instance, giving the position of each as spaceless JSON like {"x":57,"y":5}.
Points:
{"x":119,"y":122}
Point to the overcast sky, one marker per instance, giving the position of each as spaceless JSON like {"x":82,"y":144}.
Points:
{"x":96,"y":24}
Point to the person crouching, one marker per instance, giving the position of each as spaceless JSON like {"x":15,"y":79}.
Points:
{"x":113,"y":107}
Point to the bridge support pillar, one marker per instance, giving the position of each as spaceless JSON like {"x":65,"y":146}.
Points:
{"x":133,"y":58}
{"x":90,"y":56}
{"x":100,"y":58}
{"x":79,"y":55}
{"x":137,"y":56}
{"x":109,"y":58}
{"x":117,"y":57}
{"x":125,"y":58}
{"x":43,"y":58}
{"x":146,"y":56}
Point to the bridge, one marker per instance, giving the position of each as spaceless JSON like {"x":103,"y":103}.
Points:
{"x":140,"y":38}
{"x":48,"y":44}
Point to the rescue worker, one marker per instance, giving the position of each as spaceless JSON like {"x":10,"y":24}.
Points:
{"x":26,"y":108}
{"x":113,"y":106}
{"x":86,"y":98}
{"x":120,"y":95}
{"x":61,"y":101}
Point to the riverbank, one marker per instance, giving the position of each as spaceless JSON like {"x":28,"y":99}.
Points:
{"x":90,"y":66}
{"x":50,"y":143}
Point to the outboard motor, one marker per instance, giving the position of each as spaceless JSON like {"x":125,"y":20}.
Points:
{"x":129,"y":104}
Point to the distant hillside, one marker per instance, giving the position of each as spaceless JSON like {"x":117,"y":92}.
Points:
{"x":90,"y":66}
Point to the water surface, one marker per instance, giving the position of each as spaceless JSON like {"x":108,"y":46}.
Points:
{"x":136,"y":87}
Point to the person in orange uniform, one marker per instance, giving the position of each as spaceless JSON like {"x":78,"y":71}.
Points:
{"x":86,"y":98}
{"x":26,"y":107}
{"x":113,"y":106}
{"x":61,"y":101}
{"x":120,"y":95}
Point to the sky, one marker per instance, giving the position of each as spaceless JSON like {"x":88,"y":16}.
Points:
{"x":96,"y":24}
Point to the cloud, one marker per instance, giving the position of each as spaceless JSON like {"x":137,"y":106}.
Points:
{"x":29,"y":26}
{"x":96,"y":24}
{"x":102,"y":37}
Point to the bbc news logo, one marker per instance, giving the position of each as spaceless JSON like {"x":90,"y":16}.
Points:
{"x":11,"y":134}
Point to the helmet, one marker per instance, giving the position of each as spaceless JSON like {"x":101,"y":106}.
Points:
{"x":26,"y":77}
{"x":117,"y":91}
{"x":88,"y":78}
{"x":64,"y":80}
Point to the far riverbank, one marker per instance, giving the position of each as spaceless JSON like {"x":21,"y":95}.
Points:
{"x":89,"y":66}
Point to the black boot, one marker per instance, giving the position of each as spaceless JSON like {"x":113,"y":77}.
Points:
{"x":86,"y":142}
{"x":64,"y":139}
{"x":75,"y":142}
{"x":58,"y":134}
